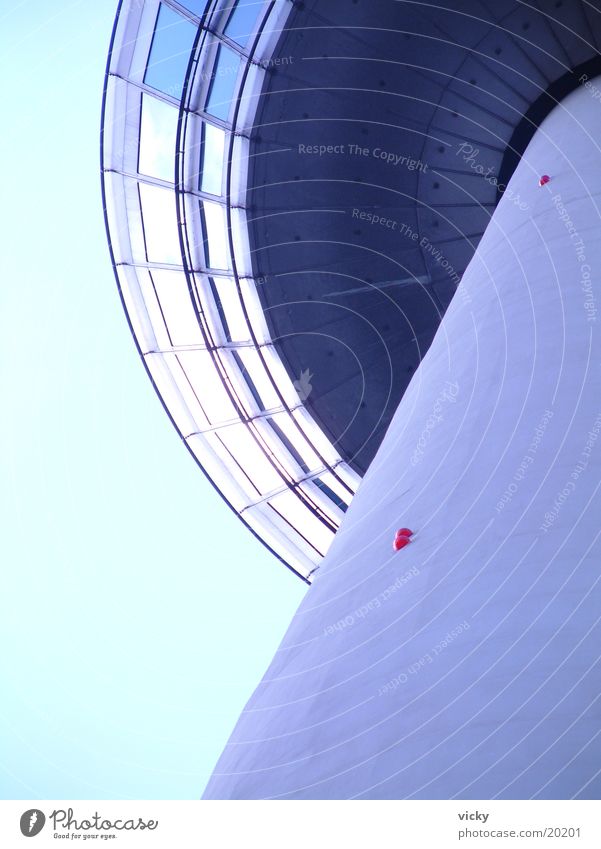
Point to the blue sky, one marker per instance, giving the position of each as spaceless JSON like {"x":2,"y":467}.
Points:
{"x":137,"y":612}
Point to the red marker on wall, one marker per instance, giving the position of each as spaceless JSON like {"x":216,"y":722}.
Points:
{"x":400,"y":542}
{"x":544,"y":180}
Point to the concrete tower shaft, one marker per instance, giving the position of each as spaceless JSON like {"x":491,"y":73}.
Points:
{"x":466,"y":665}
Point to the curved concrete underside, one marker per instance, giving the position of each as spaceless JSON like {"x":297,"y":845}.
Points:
{"x":467,"y":664}
{"x":357,"y":303}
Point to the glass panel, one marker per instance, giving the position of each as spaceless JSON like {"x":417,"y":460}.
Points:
{"x":212,"y":456}
{"x":206,"y":380}
{"x":170,"y":52}
{"x":223,"y":82}
{"x":190,"y":399}
{"x":349,"y":477}
{"x":167,"y":386}
{"x":291,"y":508}
{"x":342,"y":505}
{"x":242,"y":20}
{"x":239,"y":225}
{"x":269,"y":527}
{"x":158,"y":129}
{"x":279,"y":373}
{"x":315,"y":435}
{"x":286,"y":424}
{"x":288,"y":445}
{"x":160,"y":224}
{"x":223,"y":327}
{"x":254,"y":367}
{"x":336,"y":483}
{"x":197,"y":7}
{"x":249,"y":381}
{"x":172,"y":291}
{"x":215,"y":235}
{"x":229,"y":309}
{"x":151,"y":312}
{"x":255,"y":312}
{"x":211,"y":158}
{"x":251,"y":457}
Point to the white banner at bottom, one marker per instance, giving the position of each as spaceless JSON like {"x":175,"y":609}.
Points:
{"x":298,"y":825}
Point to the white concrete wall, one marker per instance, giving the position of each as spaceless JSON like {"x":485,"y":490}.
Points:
{"x":479,"y":677}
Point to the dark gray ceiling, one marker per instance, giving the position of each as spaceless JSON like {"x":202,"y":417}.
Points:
{"x":356,"y":302}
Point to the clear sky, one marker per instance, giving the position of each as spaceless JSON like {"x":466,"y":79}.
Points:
{"x":137,"y":613}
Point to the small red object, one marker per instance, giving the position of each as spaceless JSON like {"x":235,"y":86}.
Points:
{"x":400,"y":542}
{"x":544,"y":180}
{"x":404,"y":532}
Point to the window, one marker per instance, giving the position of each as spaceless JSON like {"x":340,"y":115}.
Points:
{"x":223,"y":83}
{"x":242,"y":20}
{"x":248,"y":380}
{"x":228,"y":305}
{"x":158,"y":130}
{"x":160,"y":224}
{"x":251,"y":459}
{"x":170,"y":52}
{"x":211,"y":159}
{"x":292,"y":510}
{"x":215,"y":235}
{"x":286,"y":425}
{"x":261,"y":378}
{"x":220,"y":310}
{"x":172,"y":292}
{"x":289,"y":446}
{"x":207,"y":382}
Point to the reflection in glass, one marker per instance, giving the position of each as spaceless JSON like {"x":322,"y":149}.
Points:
{"x":211,"y":159}
{"x":223,"y":82}
{"x":158,"y":129}
{"x":170,"y":52}
{"x":242,"y":20}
